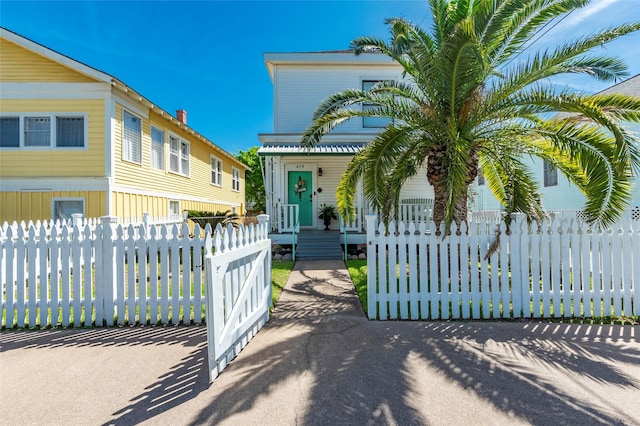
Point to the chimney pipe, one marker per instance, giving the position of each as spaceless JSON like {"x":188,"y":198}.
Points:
{"x":181,"y":115}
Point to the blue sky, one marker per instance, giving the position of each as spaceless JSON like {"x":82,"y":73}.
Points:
{"x":207,"y":56}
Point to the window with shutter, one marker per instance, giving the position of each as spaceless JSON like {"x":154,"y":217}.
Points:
{"x":157,"y":148}
{"x":131,"y":138}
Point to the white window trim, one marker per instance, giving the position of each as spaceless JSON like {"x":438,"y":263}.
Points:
{"x":180,"y":172}
{"x":54,"y":199}
{"x":164,"y":147}
{"x":235,"y":181}
{"x":122,"y":156}
{"x":52,"y":130}
{"x":219,"y":172}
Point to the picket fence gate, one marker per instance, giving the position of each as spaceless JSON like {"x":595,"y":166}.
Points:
{"x":238,"y":292}
{"x":106,"y":274}
{"x":547,"y":269}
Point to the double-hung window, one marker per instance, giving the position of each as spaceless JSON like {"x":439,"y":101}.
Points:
{"x":178,"y":155}
{"x":157,"y":148}
{"x":235,"y":179}
{"x":550,"y":174}
{"x":216,"y":171}
{"x":43,"y":131}
{"x":37,"y":131}
{"x":372,"y":122}
{"x":480,"y":178}
{"x":131,"y":138}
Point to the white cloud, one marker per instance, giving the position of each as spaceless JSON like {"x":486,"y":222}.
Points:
{"x":579,"y":16}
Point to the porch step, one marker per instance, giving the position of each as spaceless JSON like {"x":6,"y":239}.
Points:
{"x":319,"y":245}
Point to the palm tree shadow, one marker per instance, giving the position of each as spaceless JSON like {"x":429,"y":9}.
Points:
{"x":350,"y":370}
{"x":361,"y":372}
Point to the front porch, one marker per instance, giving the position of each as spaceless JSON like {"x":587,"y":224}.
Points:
{"x":310,"y":243}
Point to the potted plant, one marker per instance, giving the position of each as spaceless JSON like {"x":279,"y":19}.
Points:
{"x":327,"y":212}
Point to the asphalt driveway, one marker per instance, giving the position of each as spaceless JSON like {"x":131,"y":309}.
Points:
{"x":319,"y":361}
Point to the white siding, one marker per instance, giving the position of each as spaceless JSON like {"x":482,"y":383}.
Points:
{"x":300,"y":89}
{"x":417,"y":186}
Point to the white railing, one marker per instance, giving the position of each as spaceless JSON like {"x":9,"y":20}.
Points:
{"x":238,"y":291}
{"x":552,"y":269}
{"x":101,"y":275}
{"x":356,"y":223}
{"x":288,"y":215}
{"x":410,"y":212}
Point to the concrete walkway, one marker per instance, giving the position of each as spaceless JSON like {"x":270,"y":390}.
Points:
{"x":319,"y":361}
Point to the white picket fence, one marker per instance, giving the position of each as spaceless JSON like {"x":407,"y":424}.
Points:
{"x":106,"y":274}
{"x":552,"y":269}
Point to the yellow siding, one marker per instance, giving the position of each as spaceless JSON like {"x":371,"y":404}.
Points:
{"x":18,"y":64}
{"x":18,"y":206}
{"x":128,"y":205}
{"x":197,"y":184}
{"x":54,"y":162}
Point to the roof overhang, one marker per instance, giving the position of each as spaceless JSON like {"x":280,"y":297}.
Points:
{"x":341,"y":57}
{"x":323,"y":149}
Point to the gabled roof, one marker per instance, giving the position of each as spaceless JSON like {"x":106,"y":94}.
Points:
{"x":105,"y":78}
{"x":630,"y":86}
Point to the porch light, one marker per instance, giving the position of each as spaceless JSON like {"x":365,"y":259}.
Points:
{"x":319,"y":171}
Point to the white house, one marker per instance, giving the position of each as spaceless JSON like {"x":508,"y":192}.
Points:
{"x":558,"y":194}
{"x":301,"y":179}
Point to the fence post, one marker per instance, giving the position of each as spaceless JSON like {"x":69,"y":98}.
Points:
{"x":146,"y":220}
{"x":263,"y":233}
{"x":372,"y":302}
{"x":108,"y":280}
{"x":76,"y":220}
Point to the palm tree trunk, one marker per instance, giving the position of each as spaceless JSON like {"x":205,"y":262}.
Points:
{"x":436,"y":173}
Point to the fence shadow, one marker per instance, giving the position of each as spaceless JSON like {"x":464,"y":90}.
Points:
{"x":320,"y":348}
{"x":104,"y":337}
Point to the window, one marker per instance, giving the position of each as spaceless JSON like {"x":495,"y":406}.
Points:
{"x":216,"y":171}
{"x":69,"y":132}
{"x":9,"y":132}
{"x":131,"y":138}
{"x":43,"y":131}
{"x":178,"y":155}
{"x":157,"y":148}
{"x":550,"y":174}
{"x":480,"y":178}
{"x":235,"y":179}
{"x":63,"y":208}
{"x":174,"y":208}
{"x":37,"y":131}
{"x":372,"y":122}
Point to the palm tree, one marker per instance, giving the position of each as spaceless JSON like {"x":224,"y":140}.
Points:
{"x":468,"y":101}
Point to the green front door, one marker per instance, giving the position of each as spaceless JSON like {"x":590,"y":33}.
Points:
{"x":300,"y":192}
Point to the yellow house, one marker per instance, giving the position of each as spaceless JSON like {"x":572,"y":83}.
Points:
{"x":76,"y":140}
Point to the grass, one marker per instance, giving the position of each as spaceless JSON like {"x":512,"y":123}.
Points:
{"x":358,"y":271}
{"x":280,"y":274}
{"x":280,"y":271}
